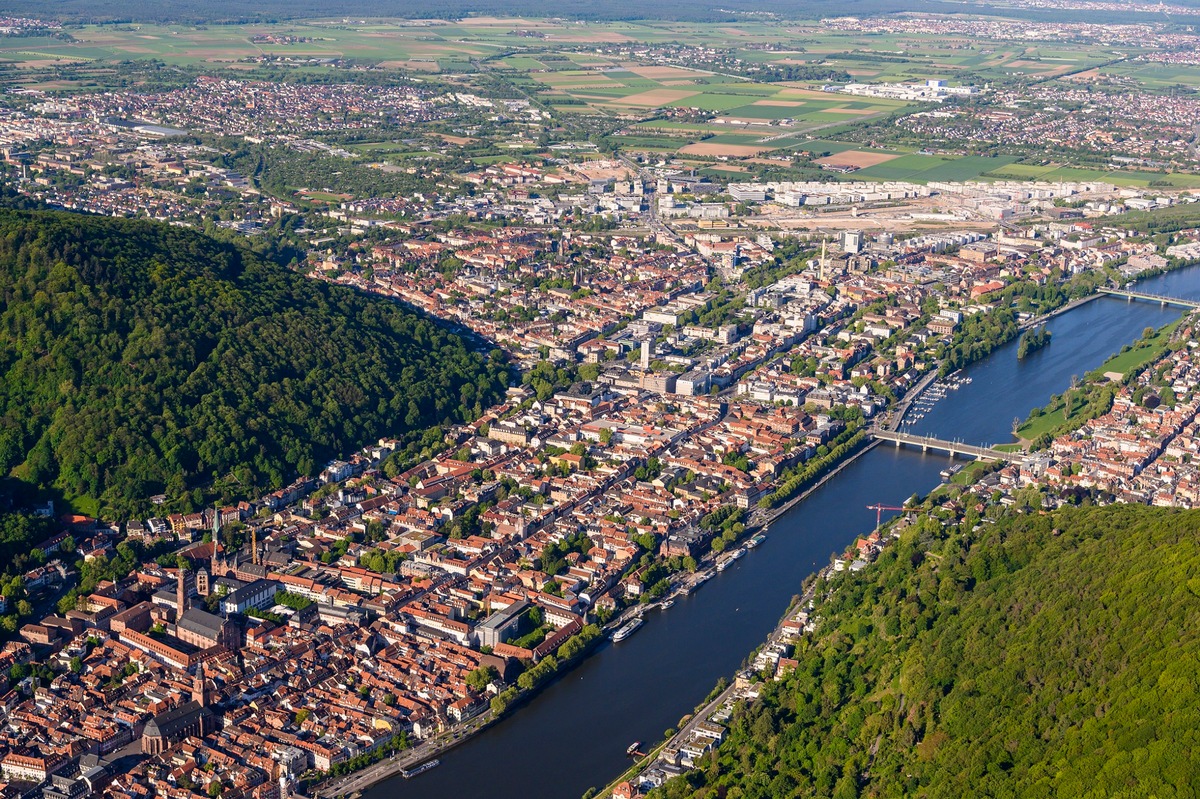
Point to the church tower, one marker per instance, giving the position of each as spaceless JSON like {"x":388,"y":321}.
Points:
{"x":199,"y":691}
{"x":181,"y":593}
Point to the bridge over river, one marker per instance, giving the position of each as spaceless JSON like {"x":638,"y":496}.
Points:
{"x":927,"y":443}
{"x":1161,"y":299}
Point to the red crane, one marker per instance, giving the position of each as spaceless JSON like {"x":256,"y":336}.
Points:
{"x":879,"y":509}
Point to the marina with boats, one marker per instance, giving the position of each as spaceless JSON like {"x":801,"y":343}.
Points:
{"x":932,"y":394}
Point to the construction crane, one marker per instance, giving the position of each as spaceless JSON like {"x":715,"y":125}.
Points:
{"x":879,"y":509}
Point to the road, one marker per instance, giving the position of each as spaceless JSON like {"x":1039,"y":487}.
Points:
{"x":391,"y":766}
{"x":657,"y":226}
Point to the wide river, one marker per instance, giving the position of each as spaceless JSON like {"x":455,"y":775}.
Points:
{"x":574,"y":734}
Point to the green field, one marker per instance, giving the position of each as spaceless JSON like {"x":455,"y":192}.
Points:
{"x":924,"y":168}
{"x":771,"y":112}
{"x":1156,"y":76}
{"x":1053,"y":418}
{"x":1054,"y":172}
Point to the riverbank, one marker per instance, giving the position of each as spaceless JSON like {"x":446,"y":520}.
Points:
{"x":731,"y":694}
{"x":1044,"y":424}
{"x":454,"y":736}
{"x":773,"y":514}
{"x":392,"y":766}
{"x":873,"y":490}
{"x":1062,"y":309}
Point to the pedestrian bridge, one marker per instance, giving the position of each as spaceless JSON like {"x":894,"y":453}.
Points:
{"x":927,"y":443}
{"x":1161,"y":299}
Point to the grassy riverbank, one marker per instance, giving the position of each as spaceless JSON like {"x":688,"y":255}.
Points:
{"x":1094,"y":395}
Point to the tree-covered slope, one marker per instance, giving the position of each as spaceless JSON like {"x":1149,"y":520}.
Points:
{"x":1040,"y":656}
{"x":138,"y":358}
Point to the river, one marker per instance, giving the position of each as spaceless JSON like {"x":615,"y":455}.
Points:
{"x":574,"y":734}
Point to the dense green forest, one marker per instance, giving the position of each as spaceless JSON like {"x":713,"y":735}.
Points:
{"x":139,"y":358}
{"x":1033,"y":656}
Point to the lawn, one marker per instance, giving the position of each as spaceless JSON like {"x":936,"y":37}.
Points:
{"x":1053,"y":418}
{"x":1141,"y":353}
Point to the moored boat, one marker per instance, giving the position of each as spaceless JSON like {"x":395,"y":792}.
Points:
{"x":409,"y":773}
{"x":628,"y":630}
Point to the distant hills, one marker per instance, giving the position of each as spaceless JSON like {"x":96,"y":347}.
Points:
{"x":216,"y":11}
{"x":138,"y":358}
{"x":1038,"y":656}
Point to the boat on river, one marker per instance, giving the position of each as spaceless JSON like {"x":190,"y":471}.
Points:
{"x":756,"y":540}
{"x":409,"y":773}
{"x":627,"y":630}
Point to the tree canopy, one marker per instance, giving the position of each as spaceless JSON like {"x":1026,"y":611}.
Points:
{"x":139,"y":358}
{"x":1043,"y":655}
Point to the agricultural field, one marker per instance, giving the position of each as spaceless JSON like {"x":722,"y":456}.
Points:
{"x":628,"y":89}
{"x":524,"y":44}
{"x":395,"y":46}
{"x":924,"y":168}
{"x":1056,"y":172}
{"x":647,"y":85}
{"x":1154,"y":76}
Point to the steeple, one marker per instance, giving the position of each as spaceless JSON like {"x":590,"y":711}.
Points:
{"x":199,"y":690}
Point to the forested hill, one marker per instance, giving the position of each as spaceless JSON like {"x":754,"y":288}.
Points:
{"x":1054,"y":656}
{"x":138,"y":358}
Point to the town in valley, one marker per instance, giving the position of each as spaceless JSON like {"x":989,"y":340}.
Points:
{"x":722,"y":259}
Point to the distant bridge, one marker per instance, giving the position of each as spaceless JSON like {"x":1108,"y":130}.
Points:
{"x":953,"y":447}
{"x":1161,"y":299}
